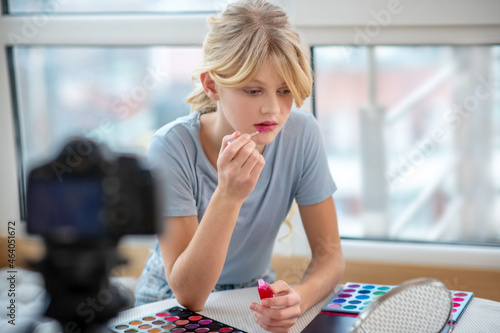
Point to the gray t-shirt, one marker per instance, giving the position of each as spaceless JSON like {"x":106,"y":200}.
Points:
{"x":296,"y":167}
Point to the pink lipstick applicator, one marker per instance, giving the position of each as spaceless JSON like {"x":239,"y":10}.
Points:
{"x":259,"y":131}
{"x":253,"y":134}
{"x":264,"y":290}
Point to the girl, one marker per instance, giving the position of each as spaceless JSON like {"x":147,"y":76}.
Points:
{"x":231,"y":170}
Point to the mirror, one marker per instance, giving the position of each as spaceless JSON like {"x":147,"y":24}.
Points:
{"x":421,"y":305}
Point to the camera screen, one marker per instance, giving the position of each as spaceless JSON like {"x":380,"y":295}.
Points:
{"x":69,"y":208}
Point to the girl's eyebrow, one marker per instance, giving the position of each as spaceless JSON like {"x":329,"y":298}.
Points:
{"x":255,"y":81}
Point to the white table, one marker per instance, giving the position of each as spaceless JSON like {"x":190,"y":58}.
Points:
{"x":232,"y":307}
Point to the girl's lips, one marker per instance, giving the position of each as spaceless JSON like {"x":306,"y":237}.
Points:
{"x":266,"y":126}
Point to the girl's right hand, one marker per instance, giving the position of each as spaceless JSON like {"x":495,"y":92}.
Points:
{"x":239,"y":166}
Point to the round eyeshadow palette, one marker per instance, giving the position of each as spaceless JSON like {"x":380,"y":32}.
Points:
{"x":355,"y":297}
{"x":174,"y":320}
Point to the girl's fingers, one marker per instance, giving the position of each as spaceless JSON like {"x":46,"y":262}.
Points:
{"x":245,"y":150}
{"x":274,"y":325}
{"x":257,"y":169}
{"x":227,"y":138}
{"x":280,"y":286}
{"x":251,"y":161}
{"x":278,"y":314}
{"x":281,"y":301}
{"x":229,"y":152}
{"x":275,"y":328}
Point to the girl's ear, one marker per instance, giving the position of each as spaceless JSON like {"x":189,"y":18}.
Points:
{"x":209,"y":86}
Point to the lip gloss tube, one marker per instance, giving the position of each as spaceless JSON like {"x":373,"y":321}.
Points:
{"x":264,"y":290}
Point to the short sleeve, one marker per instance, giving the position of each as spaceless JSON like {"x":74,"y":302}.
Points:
{"x":172,"y":169}
{"x":316,"y":183}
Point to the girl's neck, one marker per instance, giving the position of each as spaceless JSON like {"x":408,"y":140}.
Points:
{"x":208,"y":137}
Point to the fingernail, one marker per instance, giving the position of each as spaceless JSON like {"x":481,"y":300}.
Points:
{"x":253,"y":306}
{"x":265,"y":302}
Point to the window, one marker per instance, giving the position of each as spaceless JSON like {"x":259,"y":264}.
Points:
{"x":412,"y":139}
{"x":115,"y":95}
{"x":72,"y":58}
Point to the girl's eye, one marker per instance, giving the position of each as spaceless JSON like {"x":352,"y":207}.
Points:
{"x":285,"y":91}
{"x":253,"y":92}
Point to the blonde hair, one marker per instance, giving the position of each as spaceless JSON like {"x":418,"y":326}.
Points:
{"x":288,"y":220}
{"x":239,"y":41}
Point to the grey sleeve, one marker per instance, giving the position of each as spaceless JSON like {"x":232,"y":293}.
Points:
{"x":170,"y":165}
{"x":316,"y":183}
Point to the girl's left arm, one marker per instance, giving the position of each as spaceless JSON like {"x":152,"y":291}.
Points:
{"x":327,"y":263}
{"x":279,"y":314}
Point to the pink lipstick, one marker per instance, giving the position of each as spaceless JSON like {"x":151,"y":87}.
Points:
{"x":264,"y":290}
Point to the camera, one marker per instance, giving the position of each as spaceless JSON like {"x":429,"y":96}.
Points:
{"x":81,"y":204}
{"x":88,"y":193}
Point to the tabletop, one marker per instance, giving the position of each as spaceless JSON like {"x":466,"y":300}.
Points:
{"x":232,"y":307}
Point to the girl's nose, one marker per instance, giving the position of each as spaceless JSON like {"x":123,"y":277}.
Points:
{"x":271,"y":105}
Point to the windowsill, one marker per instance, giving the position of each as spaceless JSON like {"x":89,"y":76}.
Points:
{"x":423,"y":253}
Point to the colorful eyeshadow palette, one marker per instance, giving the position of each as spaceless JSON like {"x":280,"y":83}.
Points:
{"x":174,"y":320}
{"x":355,"y":297}
{"x":460,"y":301}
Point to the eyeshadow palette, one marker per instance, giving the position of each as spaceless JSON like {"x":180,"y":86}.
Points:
{"x":460,"y":301}
{"x":355,"y":297}
{"x":174,"y":320}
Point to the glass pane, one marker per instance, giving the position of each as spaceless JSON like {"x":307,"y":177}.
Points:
{"x":339,"y":75}
{"x":415,"y":89}
{"x":425,"y":166}
{"x":116,"y":95}
{"x":123,"y":6}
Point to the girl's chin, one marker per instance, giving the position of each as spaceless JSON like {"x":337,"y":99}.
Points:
{"x":263,"y":141}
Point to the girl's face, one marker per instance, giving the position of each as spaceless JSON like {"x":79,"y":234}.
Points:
{"x":263,"y":103}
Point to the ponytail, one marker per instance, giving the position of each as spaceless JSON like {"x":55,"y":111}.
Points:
{"x":200,"y":102}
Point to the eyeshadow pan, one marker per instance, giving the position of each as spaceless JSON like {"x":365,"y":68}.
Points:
{"x":168,"y":326}
{"x":155,"y":330}
{"x":163,"y":314}
{"x":178,"y":330}
{"x":226,"y":330}
{"x":202,"y":330}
